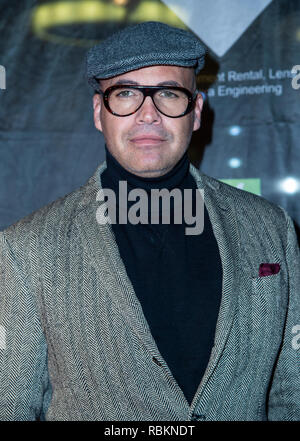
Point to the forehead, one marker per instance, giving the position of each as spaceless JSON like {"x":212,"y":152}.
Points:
{"x":153,"y":75}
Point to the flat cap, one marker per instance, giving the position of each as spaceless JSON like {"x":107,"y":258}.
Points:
{"x":145,"y":44}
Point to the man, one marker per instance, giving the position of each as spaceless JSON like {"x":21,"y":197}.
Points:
{"x":139,"y":320}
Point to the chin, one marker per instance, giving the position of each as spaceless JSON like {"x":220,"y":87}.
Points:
{"x":148,"y":165}
{"x":149,"y":169}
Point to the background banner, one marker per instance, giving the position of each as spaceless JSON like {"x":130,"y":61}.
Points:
{"x":251,"y":120}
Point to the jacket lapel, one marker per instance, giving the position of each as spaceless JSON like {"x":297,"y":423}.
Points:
{"x":224,"y":223}
{"x":100,"y":243}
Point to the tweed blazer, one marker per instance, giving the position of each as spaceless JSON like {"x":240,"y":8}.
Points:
{"x":75,"y":344}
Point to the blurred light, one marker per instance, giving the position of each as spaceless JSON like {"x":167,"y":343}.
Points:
{"x":234,"y":162}
{"x":121,"y":2}
{"x":234,"y":130}
{"x":298,"y":34}
{"x":289,"y":185}
{"x":67,"y":13}
{"x":47,"y":16}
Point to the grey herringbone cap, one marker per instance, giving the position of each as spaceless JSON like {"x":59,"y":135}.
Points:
{"x":145,"y":44}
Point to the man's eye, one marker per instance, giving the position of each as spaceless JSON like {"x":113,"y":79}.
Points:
{"x":125,"y":94}
{"x":168,"y":94}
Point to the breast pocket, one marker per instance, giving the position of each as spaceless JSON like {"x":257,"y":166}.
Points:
{"x":272,"y":288}
{"x":269,"y":307}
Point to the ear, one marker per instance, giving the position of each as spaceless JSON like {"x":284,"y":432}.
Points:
{"x":97,"y":103}
{"x":197,"y":112}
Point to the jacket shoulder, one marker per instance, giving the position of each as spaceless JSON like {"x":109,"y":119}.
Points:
{"x":255,"y":214}
{"x":246,"y":200}
{"x":48,"y":221}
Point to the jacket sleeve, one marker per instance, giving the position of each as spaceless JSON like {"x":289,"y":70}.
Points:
{"x":24,"y":382}
{"x":284,"y":397}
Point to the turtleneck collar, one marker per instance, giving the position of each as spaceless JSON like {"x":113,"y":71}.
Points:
{"x":115,"y":172}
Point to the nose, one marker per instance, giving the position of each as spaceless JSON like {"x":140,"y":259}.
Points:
{"x":148,"y":113}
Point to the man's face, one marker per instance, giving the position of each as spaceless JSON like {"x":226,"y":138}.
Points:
{"x":148,"y":143}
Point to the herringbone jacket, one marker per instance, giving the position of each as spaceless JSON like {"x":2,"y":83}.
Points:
{"x":75,"y":344}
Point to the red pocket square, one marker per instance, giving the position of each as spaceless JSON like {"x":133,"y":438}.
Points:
{"x":267,"y":269}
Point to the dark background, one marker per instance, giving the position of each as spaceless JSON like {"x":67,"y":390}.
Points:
{"x":49,"y":146}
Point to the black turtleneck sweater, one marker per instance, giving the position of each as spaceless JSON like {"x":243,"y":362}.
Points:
{"x":176,"y":277}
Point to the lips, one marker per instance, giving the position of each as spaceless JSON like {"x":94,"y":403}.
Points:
{"x":147,"y":139}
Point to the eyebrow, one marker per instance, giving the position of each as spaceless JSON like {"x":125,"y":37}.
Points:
{"x":135,"y":83}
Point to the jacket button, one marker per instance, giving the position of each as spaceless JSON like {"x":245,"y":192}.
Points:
{"x":198,"y":417}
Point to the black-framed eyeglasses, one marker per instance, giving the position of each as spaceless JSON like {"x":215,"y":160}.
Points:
{"x":124,"y":100}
